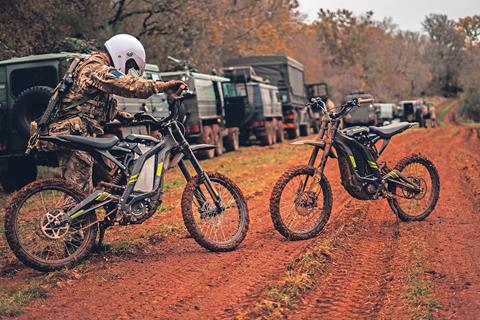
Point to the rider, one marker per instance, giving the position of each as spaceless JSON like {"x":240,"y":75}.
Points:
{"x":89,"y":104}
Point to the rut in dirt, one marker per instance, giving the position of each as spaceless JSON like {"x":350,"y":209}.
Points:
{"x":354,"y":284}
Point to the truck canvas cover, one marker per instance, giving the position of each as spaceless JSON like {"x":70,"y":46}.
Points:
{"x":283,"y":72}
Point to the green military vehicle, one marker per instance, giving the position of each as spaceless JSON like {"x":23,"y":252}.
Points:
{"x":26,"y":85}
{"x":253,"y":105}
{"x":204,"y":109}
{"x":288,"y":76}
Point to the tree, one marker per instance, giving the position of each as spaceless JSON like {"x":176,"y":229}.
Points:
{"x":470,"y":27}
{"x":447,"y":47}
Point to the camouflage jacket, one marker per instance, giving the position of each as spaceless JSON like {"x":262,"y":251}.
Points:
{"x":94,"y":83}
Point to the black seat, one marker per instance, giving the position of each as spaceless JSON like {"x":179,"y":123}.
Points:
{"x":98,"y":143}
{"x":390,"y":130}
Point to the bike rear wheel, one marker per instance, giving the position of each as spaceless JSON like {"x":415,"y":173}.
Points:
{"x":410,"y":206}
{"x":34,"y":229}
{"x":214,"y":230}
{"x":300,"y":212}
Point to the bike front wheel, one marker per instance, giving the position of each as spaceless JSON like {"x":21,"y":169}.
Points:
{"x":215,"y":227}
{"x":300,"y":205}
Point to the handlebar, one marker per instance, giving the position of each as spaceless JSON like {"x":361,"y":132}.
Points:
{"x":364,"y":100}
{"x":344,"y":108}
{"x":174,"y":100}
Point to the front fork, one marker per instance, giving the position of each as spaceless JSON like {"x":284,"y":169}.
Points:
{"x":326,"y":151}
{"x":199,"y":171}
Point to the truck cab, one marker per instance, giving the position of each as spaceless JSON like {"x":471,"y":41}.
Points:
{"x":410,"y":110}
{"x":203,"y":109}
{"x":253,"y":105}
{"x":385,"y":112}
{"x":364,"y":115}
{"x":288,"y":76}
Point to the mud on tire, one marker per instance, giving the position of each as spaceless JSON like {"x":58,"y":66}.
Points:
{"x":276,"y":196}
{"x":435,"y":188}
{"x":194,"y":229}
{"x":11,"y":227}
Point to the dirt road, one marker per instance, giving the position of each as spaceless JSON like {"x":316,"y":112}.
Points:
{"x":376,"y":269}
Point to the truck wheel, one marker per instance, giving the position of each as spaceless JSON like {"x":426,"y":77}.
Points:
{"x":218,"y":139}
{"x":232,"y":140}
{"x":29,"y":106}
{"x":293,"y":133}
{"x":279,"y":132}
{"x":20,"y":173}
{"x":304,"y":130}
{"x":267,"y":139}
{"x":273,"y":131}
{"x":207,"y":137}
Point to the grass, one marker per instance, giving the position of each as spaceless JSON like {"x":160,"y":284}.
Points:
{"x":12,"y":302}
{"x":445,"y":110}
{"x":419,"y":295}
{"x":470,"y":124}
{"x":175,"y":183}
{"x":286,"y":293}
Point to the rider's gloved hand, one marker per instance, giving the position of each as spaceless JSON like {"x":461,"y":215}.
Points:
{"x":171,"y":86}
{"x":124,"y":117}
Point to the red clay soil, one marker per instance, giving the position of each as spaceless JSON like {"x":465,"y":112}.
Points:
{"x":180,"y":280}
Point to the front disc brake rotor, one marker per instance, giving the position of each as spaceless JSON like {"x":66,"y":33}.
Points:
{"x":305,"y":202}
{"x":416,"y":195}
{"x":52,"y":226}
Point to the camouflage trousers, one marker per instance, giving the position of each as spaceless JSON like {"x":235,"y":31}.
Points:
{"x":76,"y":168}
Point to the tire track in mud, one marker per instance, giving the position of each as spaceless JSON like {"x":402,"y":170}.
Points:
{"x":355,"y":282}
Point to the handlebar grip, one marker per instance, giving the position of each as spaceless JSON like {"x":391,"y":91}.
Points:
{"x":364,"y":100}
{"x":178,"y":94}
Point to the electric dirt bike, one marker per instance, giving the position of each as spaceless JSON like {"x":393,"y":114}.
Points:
{"x":50,"y":225}
{"x":301,"y":200}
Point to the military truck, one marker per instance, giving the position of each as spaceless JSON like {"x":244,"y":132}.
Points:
{"x":204,"y":111}
{"x":411,"y":110}
{"x":361,"y":116}
{"x":26,"y":85}
{"x":253,"y":105}
{"x":288,"y":75}
{"x":385,"y":112}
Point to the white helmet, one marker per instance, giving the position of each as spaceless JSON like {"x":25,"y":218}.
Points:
{"x":126,"y":52}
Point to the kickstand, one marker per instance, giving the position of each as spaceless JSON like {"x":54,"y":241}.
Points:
{"x":396,"y":232}
{"x":100,"y":246}
{"x":101,"y":234}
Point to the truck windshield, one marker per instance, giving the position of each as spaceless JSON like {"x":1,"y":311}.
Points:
{"x":234,"y":89}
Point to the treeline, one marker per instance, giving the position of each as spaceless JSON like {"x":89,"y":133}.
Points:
{"x":349,"y":52}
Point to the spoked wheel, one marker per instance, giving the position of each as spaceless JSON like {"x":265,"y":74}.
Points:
{"x":415,"y":206}
{"x":36,"y":232}
{"x":215,"y":227}
{"x":300,"y":211}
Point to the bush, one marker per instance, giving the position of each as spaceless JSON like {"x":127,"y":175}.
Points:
{"x":471,"y":103}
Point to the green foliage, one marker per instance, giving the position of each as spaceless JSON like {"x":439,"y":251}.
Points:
{"x":471,"y":103}
{"x":11,"y":303}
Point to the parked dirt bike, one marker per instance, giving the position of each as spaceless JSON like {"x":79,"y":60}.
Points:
{"x":50,"y":225}
{"x":301,"y":200}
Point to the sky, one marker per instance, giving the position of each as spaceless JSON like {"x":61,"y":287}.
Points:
{"x":407,"y":14}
